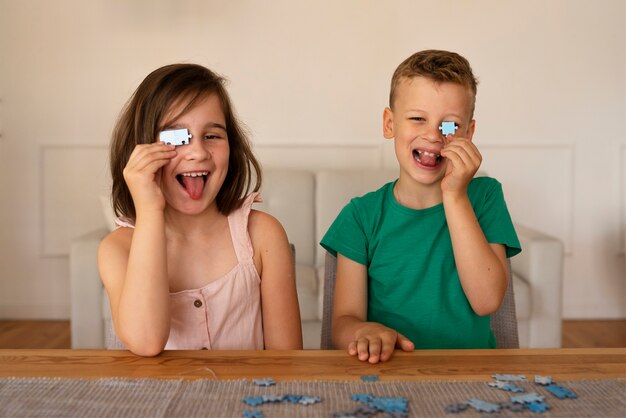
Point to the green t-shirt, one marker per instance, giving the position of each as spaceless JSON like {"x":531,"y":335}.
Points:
{"x":413,"y":283}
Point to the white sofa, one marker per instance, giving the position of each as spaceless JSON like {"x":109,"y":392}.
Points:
{"x":306,"y":203}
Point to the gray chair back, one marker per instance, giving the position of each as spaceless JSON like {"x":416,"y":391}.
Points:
{"x":111,"y":342}
{"x":503,"y":321}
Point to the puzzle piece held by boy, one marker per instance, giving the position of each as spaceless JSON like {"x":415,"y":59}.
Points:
{"x":448,"y":128}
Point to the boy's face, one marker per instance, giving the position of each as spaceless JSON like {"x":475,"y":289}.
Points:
{"x":419,"y":107}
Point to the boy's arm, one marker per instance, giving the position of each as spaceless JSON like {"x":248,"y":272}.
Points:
{"x":369,"y":341}
{"x":481,"y":265}
{"x":282,"y":329}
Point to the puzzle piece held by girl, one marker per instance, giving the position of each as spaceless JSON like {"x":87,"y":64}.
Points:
{"x":175,"y":137}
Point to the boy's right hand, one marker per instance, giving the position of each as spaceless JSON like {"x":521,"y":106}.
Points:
{"x":375,"y":342}
{"x":142,"y":174}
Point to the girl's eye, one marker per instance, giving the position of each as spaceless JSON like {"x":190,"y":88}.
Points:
{"x":211,"y":136}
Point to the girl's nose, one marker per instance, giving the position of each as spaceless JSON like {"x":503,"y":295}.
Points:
{"x":195,"y":150}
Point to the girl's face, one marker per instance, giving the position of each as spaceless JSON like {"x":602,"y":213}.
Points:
{"x":192,"y":179}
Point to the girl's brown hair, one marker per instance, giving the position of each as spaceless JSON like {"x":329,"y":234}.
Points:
{"x":143,"y":117}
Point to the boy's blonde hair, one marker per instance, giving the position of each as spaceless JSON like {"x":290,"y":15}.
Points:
{"x":436,"y":65}
{"x":143,"y":118}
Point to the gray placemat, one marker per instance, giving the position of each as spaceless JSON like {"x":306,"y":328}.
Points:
{"x":53,"y":397}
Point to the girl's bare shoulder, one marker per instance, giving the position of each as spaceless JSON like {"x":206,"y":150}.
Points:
{"x":117,"y":240}
{"x":263,"y":224}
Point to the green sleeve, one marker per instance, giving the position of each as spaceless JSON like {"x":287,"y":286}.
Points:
{"x":494,"y":218}
{"x":346,"y":235}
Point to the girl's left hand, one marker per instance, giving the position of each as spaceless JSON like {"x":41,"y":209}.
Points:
{"x":463,"y":162}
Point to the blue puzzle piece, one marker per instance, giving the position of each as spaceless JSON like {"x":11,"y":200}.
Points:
{"x":292,"y":398}
{"x":513,"y":407}
{"x":359,"y":412}
{"x":510,"y":387}
{"x":448,"y":128}
{"x":252,"y":414}
{"x":455,"y":408}
{"x":482,"y":406}
{"x":266,"y":381}
{"x":273,"y":398}
{"x":362,"y":397}
{"x":370,"y":378}
{"x":510,"y":377}
{"x":175,"y":137}
{"x":309,"y":400}
{"x":253,"y":400}
{"x":538,"y":407}
{"x":543,"y":380}
{"x":560,"y":391}
{"x":390,"y":404}
{"x":528,"y":398}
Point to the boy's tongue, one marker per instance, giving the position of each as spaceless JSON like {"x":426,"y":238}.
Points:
{"x":194,"y":186}
{"x":428,"y":160}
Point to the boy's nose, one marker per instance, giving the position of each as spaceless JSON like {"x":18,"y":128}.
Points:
{"x":433,"y":134}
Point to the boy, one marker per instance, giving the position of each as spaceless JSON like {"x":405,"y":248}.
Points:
{"x":421,"y":262}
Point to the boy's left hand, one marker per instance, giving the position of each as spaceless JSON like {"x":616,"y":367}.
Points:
{"x":463,"y":162}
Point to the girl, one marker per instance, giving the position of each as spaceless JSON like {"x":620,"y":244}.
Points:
{"x":192,"y":266}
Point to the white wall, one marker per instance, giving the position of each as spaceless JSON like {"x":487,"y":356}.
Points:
{"x":310,"y":79}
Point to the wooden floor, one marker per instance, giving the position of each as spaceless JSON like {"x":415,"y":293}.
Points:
{"x":56,"y":334}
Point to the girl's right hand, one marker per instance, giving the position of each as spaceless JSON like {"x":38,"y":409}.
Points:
{"x":375,"y":342}
{"x":143,"y":174}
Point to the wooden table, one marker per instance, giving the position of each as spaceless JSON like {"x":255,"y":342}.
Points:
{"x":477,"y":365}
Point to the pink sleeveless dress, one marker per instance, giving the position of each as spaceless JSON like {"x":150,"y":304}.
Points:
{"x":226,"y":313}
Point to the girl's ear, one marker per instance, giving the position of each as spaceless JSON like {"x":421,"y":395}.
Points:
{"x":388,"y":123}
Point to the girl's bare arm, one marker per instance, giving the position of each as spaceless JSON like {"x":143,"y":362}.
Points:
{"x":282,"y":329}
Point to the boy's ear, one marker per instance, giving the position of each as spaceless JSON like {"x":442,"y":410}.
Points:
{"x":471,"y":129}
{"x":388,"y":123}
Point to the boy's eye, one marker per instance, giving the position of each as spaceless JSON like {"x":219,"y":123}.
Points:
{"x":417,"y":119}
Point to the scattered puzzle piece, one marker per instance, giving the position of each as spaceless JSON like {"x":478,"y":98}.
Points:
{"x":359,"y":412}
{"x":538,"y":406}
{"x":253,"y":400}
{"x":252,"y":414}
{"x":385,"y":404}
{"x":362,"y":397}
{"x":560,"y":391}
{"x":295,"y":399}
{"x":513,"y":407}
{"x":266,"y":381}
{"x":390,"y":404}
{"x":528,"y":398}
{"x":482,"y":406}
{"x":370,"y":378}
{"x":309,"y":400}
{"x":506,"y":386}
{"x":510,"y":377}
{"x":273,"y":398}
{"x":455,"y":408}
{"x":543,"y":380}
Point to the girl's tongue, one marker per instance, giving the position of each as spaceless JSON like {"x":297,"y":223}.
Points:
{"x":194,"y":185}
